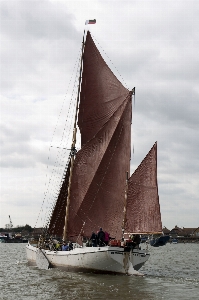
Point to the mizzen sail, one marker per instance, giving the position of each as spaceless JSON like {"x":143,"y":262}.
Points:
{"x":143,"y":209}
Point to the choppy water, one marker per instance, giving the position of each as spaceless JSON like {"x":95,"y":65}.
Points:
{"x":172,"y":273}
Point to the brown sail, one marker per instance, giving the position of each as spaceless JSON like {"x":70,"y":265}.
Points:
{"x":143,"y":209}
{"x":57,"y":219}
{"x":99,"y":173}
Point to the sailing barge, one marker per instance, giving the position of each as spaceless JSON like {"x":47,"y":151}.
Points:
{"x":96,"y":191}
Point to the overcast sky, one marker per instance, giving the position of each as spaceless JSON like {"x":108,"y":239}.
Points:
{"x":152,"y":45}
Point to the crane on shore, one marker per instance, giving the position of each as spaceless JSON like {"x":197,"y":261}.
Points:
{"x":11,"y":225}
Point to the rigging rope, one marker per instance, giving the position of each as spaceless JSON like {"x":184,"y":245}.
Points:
{"x":58,"y":164}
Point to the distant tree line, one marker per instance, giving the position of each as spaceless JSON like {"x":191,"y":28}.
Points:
{"x":18,"y":229}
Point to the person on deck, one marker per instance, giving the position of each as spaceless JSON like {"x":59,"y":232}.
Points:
{"x":70,"y":245}
{"x":57,"y":246}
{"x":93,"y":239}
{"x":136,"y":240}
{"x":50,"y":244}
{"x":106,"y":238}
{"x":101,"y":236}
{"x":65,"y":247}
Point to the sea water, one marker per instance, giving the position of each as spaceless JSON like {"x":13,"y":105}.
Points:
{"x":172,"y":272}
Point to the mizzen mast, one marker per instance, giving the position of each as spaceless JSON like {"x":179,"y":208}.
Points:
{"x":125,"y":203}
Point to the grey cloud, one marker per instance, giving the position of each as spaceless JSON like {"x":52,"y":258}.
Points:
{"x":36,"y":20}
{"x":36,"y":37}
{"x":155,"y":50}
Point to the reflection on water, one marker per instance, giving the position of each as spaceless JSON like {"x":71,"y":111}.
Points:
{"x":172,"y":273}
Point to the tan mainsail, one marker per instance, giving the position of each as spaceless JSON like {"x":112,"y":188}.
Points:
{"x":99,"y":173}
{"x":143,"y":209}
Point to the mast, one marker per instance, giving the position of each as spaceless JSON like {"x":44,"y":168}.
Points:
{"x":126,"y":187}
{"x":73,"y":149}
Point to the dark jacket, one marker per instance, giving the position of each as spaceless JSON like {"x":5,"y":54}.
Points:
{"x":93,"y":237}
{"x":101,"y":235}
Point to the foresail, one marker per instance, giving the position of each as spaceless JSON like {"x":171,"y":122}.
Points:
{"x":57,"y":220}
{"x":99,"y":172}
{"x":143,"y":209}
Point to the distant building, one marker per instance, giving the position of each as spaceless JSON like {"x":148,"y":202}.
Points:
{"x":166,"y":231}
{"x":37,"y":232}
{"x":184,"y":232}
{"x":196,"y":233}
{"x":176,"y":231}
{"x":189,"y":232}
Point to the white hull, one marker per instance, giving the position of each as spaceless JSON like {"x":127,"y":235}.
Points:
{"x":93,"y":259}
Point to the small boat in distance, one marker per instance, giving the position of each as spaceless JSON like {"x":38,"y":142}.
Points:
{"x":96,"y":190}
{"x":3,"y":238}
{"x":159,"y":241}
{"x":174,"y":241}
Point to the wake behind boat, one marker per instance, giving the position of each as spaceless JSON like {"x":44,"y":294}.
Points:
{"x":96,"y":190}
